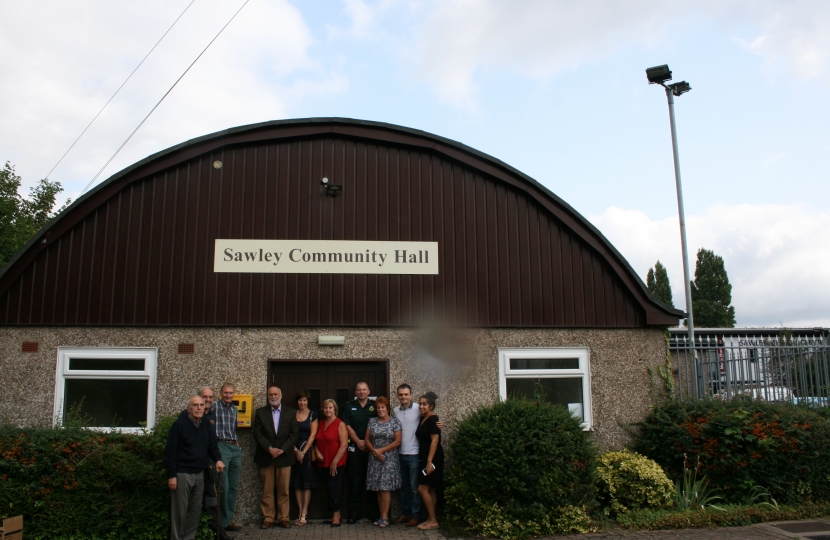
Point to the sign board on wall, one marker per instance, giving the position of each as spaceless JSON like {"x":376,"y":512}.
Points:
{"x":325,"y":257}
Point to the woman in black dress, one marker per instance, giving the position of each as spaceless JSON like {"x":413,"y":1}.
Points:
{"x":430,"y":458}
{"x":305,"y":475}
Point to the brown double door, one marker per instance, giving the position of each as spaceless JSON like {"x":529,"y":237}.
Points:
{"x":324,"y":379}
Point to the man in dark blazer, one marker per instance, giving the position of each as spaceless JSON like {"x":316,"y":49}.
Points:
{"x":275,"y":433}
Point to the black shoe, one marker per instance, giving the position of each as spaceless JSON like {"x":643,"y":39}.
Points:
{"x":351,"y":521}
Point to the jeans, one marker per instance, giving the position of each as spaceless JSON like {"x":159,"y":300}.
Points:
{"x":229,"y":481}
{"x":410,"y":500}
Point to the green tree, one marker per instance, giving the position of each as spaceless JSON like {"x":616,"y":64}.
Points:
{"x":21,"y":218}
{"x":711,"y":292}
{"x":658,"y":283}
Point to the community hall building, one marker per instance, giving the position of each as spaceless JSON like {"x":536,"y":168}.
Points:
{"x":314,"y":254}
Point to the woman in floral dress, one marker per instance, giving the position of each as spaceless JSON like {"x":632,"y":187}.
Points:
{"x":383,"y":437}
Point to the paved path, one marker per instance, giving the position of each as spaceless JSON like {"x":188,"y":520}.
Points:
{"x":317,"y":530}
{"x":805,"y":529}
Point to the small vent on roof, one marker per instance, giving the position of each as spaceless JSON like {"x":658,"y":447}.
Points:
{"x":30,"y":346}
{"x":186,"y":348}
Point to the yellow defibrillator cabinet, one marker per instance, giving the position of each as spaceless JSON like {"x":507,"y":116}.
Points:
{"x":244,"y":409}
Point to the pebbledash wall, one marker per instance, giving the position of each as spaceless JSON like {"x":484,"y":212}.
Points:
{"x":521,"y":288}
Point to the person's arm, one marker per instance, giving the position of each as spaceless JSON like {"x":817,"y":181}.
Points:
{"x":170,"y":455}
{"x":394,"y":444}
{"x":368,"y":439}
{"x":346,"y":417}
{"x":289,"y":443}
{"x":258,"y":432}
{"x":370,"y":447}
{"x":434,"y":435}
{"x":344,"y":443}
{"x":260,"y":436}
{"x":213,"y":450}
{"x":314,"y":424}
{"x":433,"y":446}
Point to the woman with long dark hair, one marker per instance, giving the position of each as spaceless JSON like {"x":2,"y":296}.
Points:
{"x":430,"y":458}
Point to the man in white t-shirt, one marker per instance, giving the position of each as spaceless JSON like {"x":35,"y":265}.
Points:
{"x":409,"y":416}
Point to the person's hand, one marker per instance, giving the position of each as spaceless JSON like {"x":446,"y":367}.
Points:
{"x":319,"y":455}
{"x":275,"y":452}
{"x":299,"y":455}
{"x":379,"y":456}
{"x":171,"y":483}
{"x":332,"y":468}
{"x":440,"y":424}
{"x":361,"y":445}
{"x":220,"y":466}
{"x":430,"y":467}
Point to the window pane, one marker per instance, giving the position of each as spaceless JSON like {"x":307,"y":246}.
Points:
{"x":106,"y":364}
{"x":565,"y":391}
{"x":108,"y":403}
{"x":544,"y":363}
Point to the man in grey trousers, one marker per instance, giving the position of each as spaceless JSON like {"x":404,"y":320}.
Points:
{"x":191,"y":446}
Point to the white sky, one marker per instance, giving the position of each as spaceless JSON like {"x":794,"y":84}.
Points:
{"x":556,"y":89}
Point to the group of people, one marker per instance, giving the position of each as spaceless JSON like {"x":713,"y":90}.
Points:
{"x":380,"y":448}
{"x":203,"y":450}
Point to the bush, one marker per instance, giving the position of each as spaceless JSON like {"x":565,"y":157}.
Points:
{"x":75,"y":483}
{"x":521,"y":469}
{"x":630,"y":481}
{"x":741,"y":444}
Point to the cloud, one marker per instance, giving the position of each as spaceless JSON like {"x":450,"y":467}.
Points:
{"x":795,"y":38}
{"x":361,"y":14}
{"x":536,"y":38}
{"x":776,"y":256}
{"x":62,"y":61}
{"x":539,"y":38}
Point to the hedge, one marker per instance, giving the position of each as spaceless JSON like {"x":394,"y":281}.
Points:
{"x":743,"y":443}
{"x":70,"y":482}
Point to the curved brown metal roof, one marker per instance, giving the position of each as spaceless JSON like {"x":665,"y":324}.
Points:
{"x":136,"y":250}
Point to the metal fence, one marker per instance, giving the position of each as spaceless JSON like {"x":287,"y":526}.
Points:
{"x":765,"y":368}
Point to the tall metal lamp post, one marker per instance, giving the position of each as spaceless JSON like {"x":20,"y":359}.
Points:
{"x":660,"y":75}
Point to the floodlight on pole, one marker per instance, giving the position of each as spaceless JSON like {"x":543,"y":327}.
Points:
{"x":660,"y":75}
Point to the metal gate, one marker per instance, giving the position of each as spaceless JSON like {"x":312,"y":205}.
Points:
{"x":767,"y":368}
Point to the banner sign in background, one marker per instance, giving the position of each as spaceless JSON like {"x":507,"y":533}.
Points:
{"x":325,"y":257}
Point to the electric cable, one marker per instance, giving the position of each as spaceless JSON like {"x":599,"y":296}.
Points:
{"x":162,"y":98}
{"x":119,"y":89}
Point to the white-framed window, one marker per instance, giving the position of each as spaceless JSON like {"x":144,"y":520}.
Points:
{"x":564,"y":375}
{"x":115,"y":387}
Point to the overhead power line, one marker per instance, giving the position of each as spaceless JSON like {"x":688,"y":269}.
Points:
{"x":162,"y":98}
{"x":119,"y":89}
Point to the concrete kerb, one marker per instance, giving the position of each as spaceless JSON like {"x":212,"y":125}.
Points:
{"x":364,"y":530}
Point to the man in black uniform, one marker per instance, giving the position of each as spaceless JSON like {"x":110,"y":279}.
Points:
{"x":356,"y":415}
